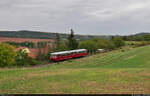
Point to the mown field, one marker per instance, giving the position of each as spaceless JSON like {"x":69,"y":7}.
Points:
{"x":116,"y":72}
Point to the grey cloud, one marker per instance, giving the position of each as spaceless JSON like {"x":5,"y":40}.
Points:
{"x":84,"y":16}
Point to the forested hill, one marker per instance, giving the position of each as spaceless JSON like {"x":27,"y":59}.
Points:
{"x":142,"y":34}
{"x":44,"y":35}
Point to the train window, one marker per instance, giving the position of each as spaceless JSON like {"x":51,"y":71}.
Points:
{"x":64,"y":54}
{"x":61,"y":54}
{"x":80,"y":52}
{"x":54,"y":56}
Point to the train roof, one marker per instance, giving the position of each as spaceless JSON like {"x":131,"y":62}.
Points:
{"x":78,"y":50}
{"x":65,"y":52}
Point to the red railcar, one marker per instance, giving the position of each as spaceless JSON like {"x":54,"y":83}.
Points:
{"x":59,"y":56}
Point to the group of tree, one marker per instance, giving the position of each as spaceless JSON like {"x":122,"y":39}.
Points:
{"x":44,"y":50}
{"x":94,"y":44}
{"x":136,"y":38}
{"x":91,"y":45}
{"x":10,"y":57}
{"x":69,"y":44}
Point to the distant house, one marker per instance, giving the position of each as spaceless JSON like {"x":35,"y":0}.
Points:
{"x":30,"y":51}
{"x":33,"y":52}
{"x":24,"y":49}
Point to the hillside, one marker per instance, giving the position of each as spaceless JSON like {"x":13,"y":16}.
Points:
{"x":142,"y":34}
{"x":44,"y":35}
{"x":123,"y":72}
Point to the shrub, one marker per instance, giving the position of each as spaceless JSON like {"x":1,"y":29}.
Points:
{"x":144,"y":43}
{"x":7,"y":55}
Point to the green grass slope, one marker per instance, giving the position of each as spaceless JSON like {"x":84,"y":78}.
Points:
{"x":113,"y":72}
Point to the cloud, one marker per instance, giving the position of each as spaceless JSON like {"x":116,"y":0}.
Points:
{"x":101,"y":17}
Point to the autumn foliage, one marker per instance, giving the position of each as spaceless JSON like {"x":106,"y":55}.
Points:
{"x":7,"y":55}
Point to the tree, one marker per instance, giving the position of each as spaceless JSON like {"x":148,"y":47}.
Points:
{"x":118,"y":42}
{"x":111,"y":45}
{"x":7,"y":55}
{"x":41,"y":44}
{"x":72,"y":42}
{"x":63,"y":46}
{"x":147,"y":37}
{"x":112,"y":37}
{"x":89,"y":45}
{"x":103,"y":44}
{"x":57,"y":41}
{"x":41,"y":47}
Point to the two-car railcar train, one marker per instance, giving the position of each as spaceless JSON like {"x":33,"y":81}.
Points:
{"x":64,"y":55}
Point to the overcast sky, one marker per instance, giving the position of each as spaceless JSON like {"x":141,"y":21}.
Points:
{"x":102,"y":17}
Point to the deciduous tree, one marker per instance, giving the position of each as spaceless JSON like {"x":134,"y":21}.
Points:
{"x":7,"y":55}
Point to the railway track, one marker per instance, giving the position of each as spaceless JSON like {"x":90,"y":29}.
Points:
{"x":43,"y":65}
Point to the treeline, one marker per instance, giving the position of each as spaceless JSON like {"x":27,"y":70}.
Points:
{"x":44,"y":35}
{"x":136,"y":38}
{"x":23,"y":44}
{"x":27,"y":34}
{"x":28,"y":44}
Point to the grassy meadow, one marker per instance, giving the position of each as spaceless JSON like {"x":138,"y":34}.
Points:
{"x":121,"y":71}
